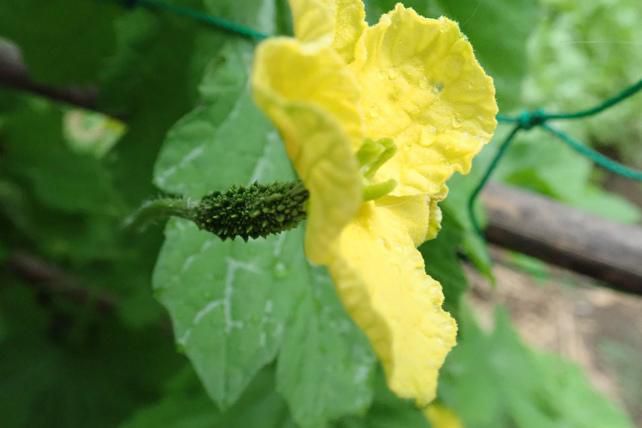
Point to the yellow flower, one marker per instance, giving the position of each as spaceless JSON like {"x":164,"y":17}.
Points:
{"x":375,"y":120}
{"x":442,"y":417}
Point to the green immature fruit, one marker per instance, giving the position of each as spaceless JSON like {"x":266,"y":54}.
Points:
{"x":254,"y":211}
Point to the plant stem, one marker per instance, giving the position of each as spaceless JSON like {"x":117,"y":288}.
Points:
{"x":159,"y":209}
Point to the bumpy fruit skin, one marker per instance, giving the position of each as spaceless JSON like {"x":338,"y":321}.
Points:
{"x":254,"y":211}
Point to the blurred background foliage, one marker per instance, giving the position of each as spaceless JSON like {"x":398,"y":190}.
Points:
{"x":83,"y":341}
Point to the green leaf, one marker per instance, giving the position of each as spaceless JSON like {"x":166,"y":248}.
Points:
{"x":91,"y":133}
{"x":536,"y":268}
{"x":187,"y":406}
{"x":184,"y":411}
{"x":467,"y":381}
{"x":9,"y":100}
{"x":68,"y":368}
{"x":387,"y":411}
{"x":442,"y":262}
{"x":496,"y":381}
{"x":4,"y":253}
{"x":571,"y":397}
{"x":152,"y":83}
{"x":226,"y":141}
{"x":455,"y":207}
{"x":231,"y":302}
{"x":60,"y":178}
{"x":325,"y":364}
{"x":62,"y":41}
{"x":231,"y":305}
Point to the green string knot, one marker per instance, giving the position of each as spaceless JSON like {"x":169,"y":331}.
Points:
{"x":529,"y":119}
{"x":539,"y":118}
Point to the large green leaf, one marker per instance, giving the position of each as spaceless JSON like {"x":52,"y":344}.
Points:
{"x":455,"y":208}
{"x":69,"y":368}
{"x":230,"y":301}
{"x":325,"y":365}
{"x":496,"y":381}
{"x":443,"y":264}
{"x":185,"y":405}
{"x":62,"y":41}
{"x":226,"y":141}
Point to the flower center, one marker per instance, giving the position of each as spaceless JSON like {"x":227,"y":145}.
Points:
{"x":371,"y":156}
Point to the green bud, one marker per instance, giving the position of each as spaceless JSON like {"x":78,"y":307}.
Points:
{"x":375,"y":191}
{"x":254,"y":211}
{"x":373,"y":154}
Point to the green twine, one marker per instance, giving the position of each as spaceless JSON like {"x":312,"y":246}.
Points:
{"x":198,"y":16}
{"x":539,"y":118}
{"x":482,"y":183}
{"x":597,"y":157}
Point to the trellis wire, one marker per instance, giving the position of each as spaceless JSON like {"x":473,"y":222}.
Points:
{"x":528,"y":120}
{"x":198,"y":16}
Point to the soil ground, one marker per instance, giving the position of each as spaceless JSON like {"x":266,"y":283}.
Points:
{"x":571,"y":315}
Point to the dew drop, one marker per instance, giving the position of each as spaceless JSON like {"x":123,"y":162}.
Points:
{"x":280,"y":270}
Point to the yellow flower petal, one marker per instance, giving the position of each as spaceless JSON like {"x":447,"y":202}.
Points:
{"x":410,"y":79}
{"x":336,"y":23}
{"x":442,"y":417}
{"x":434,"y":220}
{"x":309,"y":100}
{"x":381,"y":280}
{"x":422,"y":86}
{"x":411,"y":212}
{"x":289,"y":71}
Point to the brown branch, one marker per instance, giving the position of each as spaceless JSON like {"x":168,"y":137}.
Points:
{"x":561,"y":235}
{"x":45,"y":277}
{"x":14,"y":74}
